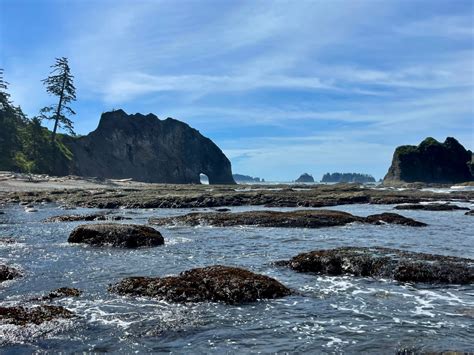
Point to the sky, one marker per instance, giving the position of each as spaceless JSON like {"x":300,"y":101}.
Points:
{"x":282,"y":87}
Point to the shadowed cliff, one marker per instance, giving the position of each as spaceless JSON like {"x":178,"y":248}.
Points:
{"x":147,"y":149}
{"x":431,"y":162}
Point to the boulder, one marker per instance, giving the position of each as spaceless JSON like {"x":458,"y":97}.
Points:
{"x":431,"y":207}
{"x":8,"y":273}
{"x":385,"y":263}
{"x":305,"y":178}
{"x":147,"y":149}
{"x":116,"y":235}
{"x":430,"y":162}
{"x":213,"y":283}
{"x":291,"y":219}
{"x":23,"y":316}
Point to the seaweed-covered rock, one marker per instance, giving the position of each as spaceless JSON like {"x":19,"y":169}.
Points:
{"x":36,"y":315}
{"x":213,"y":283}
{"x":62,"y":292}
{"x":292,"y":219}
{"x":88,"y":217}
{"x":431,"y":207}
{"x":8,"y":273}
{"x":385,"y":263}
{"x":116,"y":235}
{"x":393,"y":218}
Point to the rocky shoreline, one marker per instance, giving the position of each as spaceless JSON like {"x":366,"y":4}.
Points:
{"x":139,"y":195}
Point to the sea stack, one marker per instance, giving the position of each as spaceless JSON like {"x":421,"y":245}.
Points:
{"x":305,"y":178}
{"x":431,"y":162}
{"x":145,"y":148}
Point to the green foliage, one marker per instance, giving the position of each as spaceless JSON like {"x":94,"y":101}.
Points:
{"x":25,"y":145}
{"x":60,"y":84}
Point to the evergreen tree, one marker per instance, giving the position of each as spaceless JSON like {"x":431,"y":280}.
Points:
{"x":9,"y":123}
{"x":60,"y":84}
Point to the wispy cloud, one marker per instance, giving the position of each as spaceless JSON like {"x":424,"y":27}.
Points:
{"x":302,"y":85}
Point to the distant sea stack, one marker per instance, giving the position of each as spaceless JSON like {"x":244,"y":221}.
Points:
{"x":431,"y":162}
{"x":148,"y":149}
{"x":246,"y":179}
{"x":347,"y":177}
{"x":305,"y":178}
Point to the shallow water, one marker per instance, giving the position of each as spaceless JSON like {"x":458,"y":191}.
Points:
{"x":331,"y":314}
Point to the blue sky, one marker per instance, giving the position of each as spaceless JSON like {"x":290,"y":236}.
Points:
{"x":283,"y":87}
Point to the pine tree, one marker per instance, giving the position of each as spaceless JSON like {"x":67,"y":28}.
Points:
{"x":60,"y":84}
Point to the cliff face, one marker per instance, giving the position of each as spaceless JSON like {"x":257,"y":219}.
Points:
{"x":147,"y":149}
{"x":431,"y":162}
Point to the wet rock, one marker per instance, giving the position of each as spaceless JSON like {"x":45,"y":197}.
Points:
{"x":36,"y":315}
{"x":62,"y":292}
{"x":7,"y":240}
{"x":469,"y":213}
{"x":393,"y":218}
{"x":292,"y":219}
{"x":89,"y":217}
{"x":8,"y":273}
{"x":431,"y":207}
{"x":222,"y":209}
{"x":385,"y":263}
{"x":213,"y":283}
{"x":116,"y":235}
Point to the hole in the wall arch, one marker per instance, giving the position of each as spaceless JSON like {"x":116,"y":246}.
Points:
{"x":204,"y":179}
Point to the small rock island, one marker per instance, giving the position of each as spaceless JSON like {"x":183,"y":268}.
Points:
{"x":305,"y":178}
{"x":431,"y":162}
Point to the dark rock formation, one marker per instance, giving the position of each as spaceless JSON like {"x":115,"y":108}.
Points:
{"x":246,"y":179}
{"x":8,"y":273}
{"x":292,"y":219}
{"x":431,"y":207}
{"x":116,"y":235}
{"x":430,"y":162}
{"x":305,"y":178}
{"x":201,"y":196}
{"x":62,"y":292}
{"x":147,"y":149}
{"x":89,"y":217}
{"x":36,"y":315}
{"x":385,"y":263}
{"x":213,"y":283}
{"x":393,"y":218}
{"x":347,"y":177}
{"x":6,"y":241}
{"x":469,"y":213}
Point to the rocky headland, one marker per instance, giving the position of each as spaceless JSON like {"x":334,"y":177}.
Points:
{"x":144,"y":148}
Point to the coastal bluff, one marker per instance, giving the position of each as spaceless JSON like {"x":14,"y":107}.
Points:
{"x":147,"y":149}
{"x":431,"y":162}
